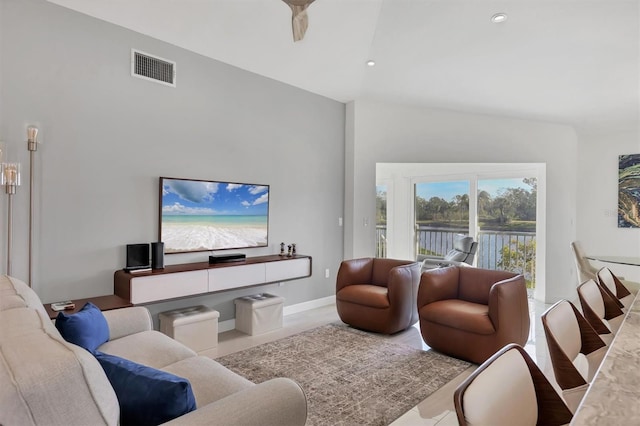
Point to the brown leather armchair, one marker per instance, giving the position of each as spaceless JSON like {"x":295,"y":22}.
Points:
{"x":470,"y":313}
{"x":378,"y":294}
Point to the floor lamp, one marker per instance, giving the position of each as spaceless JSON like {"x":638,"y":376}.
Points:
{"x":32,"y":146}
{"x":10,"y":178}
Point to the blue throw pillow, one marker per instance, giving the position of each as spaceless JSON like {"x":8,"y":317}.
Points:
{"x":147,"y":396}
{"x":86,"y":328}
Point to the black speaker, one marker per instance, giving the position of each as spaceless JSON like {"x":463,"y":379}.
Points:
{"x":157,"y":255}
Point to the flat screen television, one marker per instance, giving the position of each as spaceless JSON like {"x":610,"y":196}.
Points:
{"x":202,"y":215}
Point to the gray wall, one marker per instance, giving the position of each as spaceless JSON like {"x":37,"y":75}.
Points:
{"x":107,"y":137}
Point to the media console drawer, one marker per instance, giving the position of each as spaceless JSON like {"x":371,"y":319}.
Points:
{"x":280,"y":271}
{"x":238,"y":276}
{"x":169,"y":286}
{"x":190,"y":279}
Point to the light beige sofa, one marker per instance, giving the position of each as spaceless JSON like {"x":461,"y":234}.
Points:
{"x":45,"y":380}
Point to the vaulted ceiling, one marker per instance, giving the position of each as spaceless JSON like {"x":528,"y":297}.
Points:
{"x":566,"y":61}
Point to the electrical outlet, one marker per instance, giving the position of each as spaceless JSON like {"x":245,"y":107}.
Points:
{"x":326,"y":273}
{"x":339,"y":221}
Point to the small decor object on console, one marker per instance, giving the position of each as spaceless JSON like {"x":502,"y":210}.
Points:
{"x":293,"y":249}
{"x":290,"y":250}
{"x":63,"y":306}
{"x":281,"y":249}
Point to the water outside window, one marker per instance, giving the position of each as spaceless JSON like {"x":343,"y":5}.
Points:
{"x":441,"y":212}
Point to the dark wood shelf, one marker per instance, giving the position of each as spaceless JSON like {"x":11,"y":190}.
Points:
{"x":105,"y":303}
{"x":123,"y":281}
{"x":197,"y":266}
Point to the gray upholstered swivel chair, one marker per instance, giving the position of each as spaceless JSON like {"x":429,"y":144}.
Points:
{"x":462,"y":254}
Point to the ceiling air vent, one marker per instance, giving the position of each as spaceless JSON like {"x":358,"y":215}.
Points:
{"x":153,"y":68}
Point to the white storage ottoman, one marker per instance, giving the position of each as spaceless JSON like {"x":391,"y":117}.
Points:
{"x":195,"y":327}
{"x":259,"y":313}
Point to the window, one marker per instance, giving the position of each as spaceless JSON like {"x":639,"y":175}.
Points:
{"x":507,"y":225}
{"x":441,"y":212}
{"x":498,"y":212}
{"x":381,"y":221}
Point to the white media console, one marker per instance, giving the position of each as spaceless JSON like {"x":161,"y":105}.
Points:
{"x":190,"y":279}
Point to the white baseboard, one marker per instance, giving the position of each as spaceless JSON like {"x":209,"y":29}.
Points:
{"x":287,"y":310}
{"x":311,"y":304}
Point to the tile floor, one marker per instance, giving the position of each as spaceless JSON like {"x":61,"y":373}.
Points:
{"x":437,"y":409}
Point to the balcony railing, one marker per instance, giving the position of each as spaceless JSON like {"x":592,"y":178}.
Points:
{"x":507,"y":250}
{"x":381,"y":241}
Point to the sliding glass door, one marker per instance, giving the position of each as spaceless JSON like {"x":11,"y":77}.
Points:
{"x":422,"y":206}
{"x":500,"y":213}
{"x":507,"y":225}
{"x":441,"y":212}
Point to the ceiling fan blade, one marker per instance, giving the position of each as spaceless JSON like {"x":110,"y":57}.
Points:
{"x":299,"y":19}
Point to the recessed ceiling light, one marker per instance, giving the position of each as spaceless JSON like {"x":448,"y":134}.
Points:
{"x":371,"y":63}
{"x":498,"y":18}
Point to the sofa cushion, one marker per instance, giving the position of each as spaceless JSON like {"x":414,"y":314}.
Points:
{"x":12,"y":286}
{"x":365,"y":294}
{"x":209,"y":379}
{"x":11,"y":301}
{"x":459,"y":314}
{"x":55,"y":383}
{"x":86,"y":328}
{"x":147,"y":396}
{"x":18,"y":322}
{"x":150,"y":348}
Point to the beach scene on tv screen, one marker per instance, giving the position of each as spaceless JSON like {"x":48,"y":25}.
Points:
{"x":203,"y":215}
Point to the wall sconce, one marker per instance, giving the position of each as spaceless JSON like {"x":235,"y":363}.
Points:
{"x":10,"y":178}
{"x":32,"y":146}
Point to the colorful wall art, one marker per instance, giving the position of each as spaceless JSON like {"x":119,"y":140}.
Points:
{"x":629,"y":191}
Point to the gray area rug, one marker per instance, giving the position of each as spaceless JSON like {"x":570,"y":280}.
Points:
{"x":350,"y":377}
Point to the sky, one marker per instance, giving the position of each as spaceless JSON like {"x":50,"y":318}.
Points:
{"x":194,"y":197}
{"x":448,"y":190}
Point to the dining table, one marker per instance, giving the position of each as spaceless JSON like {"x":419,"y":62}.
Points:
{"x":620,"y":260}
{"x":613,"y":395}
